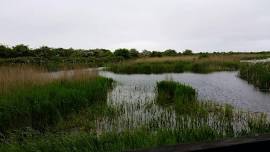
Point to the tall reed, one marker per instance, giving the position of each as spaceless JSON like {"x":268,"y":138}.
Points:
{"x":169,"y":91}
{"x":195,"y":121}
{"x":257,"y":74}
{"x":174,"y":66}
{"x":39,"y":100}
{"x":12,"y":77}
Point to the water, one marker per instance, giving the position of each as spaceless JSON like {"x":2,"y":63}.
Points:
{"x":221,"y":87}
{"x":257,"y":61}
{"x":135,"y":95}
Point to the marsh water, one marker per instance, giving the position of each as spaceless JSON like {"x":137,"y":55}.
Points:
{"x":134,"y":97}
{"x":221,"y":87}
{"x":134,"y":94}
{"x":257,"y":61}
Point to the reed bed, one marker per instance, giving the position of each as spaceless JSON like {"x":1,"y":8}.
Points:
{"x":257,"y":74}
{"x":204,"y":63}
{"x":174,"y":66}
{"x":198,"y":57}
{"x":78,"y":119}
{"x":38,"y":100}
{"x":12,"y":77}
{"x":201,"y":122}
{"x":23,"y":76}
{"x":165,"y":59}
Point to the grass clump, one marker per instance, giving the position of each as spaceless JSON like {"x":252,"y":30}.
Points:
{"x":182,"y":97}
{"x":169,"y":92}
{"x":256,"y":74}
{"x":224,"y":119}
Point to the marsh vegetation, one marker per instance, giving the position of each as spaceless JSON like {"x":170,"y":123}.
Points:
{"x":257,"y":74}
{"x":174,"y":67}
{"x":175,"y":115}
{"x":91,"y":110}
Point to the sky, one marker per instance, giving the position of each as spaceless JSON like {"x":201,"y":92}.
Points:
{"x":200,"y":25}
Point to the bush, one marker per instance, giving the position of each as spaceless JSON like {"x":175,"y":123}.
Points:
{"x":122,"y":53}
{"x":170,"y":52}
{"x":187,"y":52}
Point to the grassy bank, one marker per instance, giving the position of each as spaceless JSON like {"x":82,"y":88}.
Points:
{"x":198,"y":63}
{"x":174,"y":66}
{"x":40,"y":103}
{"x":257,"y":74}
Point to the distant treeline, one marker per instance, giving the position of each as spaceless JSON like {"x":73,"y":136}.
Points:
{"x":53,"y":57}
{"x":48,"y":52}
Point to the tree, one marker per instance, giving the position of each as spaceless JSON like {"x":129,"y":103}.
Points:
{"x":203,"y":54}
{"x":63,"y":52}
{"x":187,"y":52}
{"x":122,"y":53}
{"x":146,"y":53}
{"x":106,"y":53}
{"x":134,"y":53}
{"x":45,"y":52}
{"x":170,"y":52}
{"x":21,"y":50}
{"x":156,"y":54}
{"x":5,"y":51}
{"x":99,"y":53}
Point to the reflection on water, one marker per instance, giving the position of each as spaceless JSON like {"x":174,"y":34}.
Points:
{"x":222,"y":87}
{"x":135,"y":94}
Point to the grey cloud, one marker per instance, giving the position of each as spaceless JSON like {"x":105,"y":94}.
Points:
{"x":144,"y":24}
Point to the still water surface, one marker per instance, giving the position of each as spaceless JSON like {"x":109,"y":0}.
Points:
{"x":257,"y":61}
{"x":134,"y":96}
{"x":221,"y":87}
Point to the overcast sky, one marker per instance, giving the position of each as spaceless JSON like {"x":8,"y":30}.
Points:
{"x":201,"y":25}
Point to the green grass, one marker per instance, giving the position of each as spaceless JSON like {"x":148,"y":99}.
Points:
{"x":183,"y":98}
{"x":140,"y":138}
{"x":194,"y":121}
{"x":169,"y":92}
{"x":41,"y":106}
{"x":256,"y":74}
{"x":113,"y":142}
{"x":174,"y":66}
{"x":194,"y":113}
{"x":85,"y":119}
